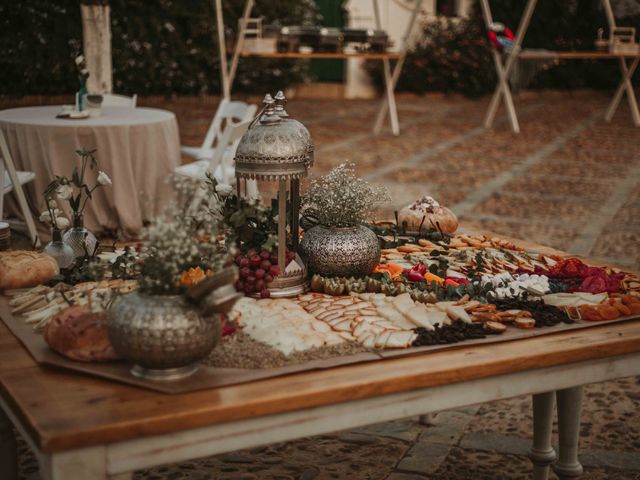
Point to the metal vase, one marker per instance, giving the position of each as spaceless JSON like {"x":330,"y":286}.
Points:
{"x":164,"y":336}
{"x":345,"y":252}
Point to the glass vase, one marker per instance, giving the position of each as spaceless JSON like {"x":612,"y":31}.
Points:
{"x":60,"y":251}
{"x":81,"y":93}
{"x":81,"y":240}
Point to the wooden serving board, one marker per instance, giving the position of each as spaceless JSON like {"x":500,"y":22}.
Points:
{"x":213,"y":377}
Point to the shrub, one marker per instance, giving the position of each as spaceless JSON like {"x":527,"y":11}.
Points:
{"x":158,"y":46}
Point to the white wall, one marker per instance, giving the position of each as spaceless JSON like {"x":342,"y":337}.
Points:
{"x":394,"y":16}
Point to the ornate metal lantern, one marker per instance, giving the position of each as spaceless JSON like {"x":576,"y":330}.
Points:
{"x":278,"y":148}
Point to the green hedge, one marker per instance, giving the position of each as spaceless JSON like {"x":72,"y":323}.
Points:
{"x":159,"y":46}
{"x":454,"y":55}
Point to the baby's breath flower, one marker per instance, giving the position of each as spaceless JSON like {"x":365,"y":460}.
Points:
{"x":340,"y":199}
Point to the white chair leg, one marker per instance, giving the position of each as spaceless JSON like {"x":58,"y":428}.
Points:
{"x":542,"y":454}
{"x":2,"y":173}
{"x":17,"y":188}
{"x":198,"y":198}
{"x":569,"y":406}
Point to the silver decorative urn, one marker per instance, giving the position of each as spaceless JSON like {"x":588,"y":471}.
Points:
{"x":278,"y":148}
{"x":340,"y":251}
{"x":166,"y":336}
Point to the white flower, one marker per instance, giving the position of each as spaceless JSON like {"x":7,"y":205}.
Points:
{"x":52,"y":203}
{"x":62,"y":222}
{"x":45,"y":217}
{"x":103,"y":179}
{"x":224,"y":190}
{"x":64,"y":192}
{"x":79,"y":59}
{"x":85,"y":71}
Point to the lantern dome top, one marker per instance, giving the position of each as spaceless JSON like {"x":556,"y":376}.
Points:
{"x":274,"y":146}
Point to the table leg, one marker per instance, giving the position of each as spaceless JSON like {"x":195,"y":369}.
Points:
{"x":542,"y":453}
{"x":85,"y":463}
{"x":569,"y":406}
{"x":8,"y":449}
{"x":625,"y":86}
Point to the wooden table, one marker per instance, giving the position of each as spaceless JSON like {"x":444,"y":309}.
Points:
{"x":86,"y":428}
{"x":504,"y":68}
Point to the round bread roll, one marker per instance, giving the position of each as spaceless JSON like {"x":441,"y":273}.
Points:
{"x":433,"y":213}
{"x":25,"y":269}
{"x":80,"y":334}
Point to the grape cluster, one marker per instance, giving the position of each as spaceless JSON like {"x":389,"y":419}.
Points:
{"x":257,"y":269}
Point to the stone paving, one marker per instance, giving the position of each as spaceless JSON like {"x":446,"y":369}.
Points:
{"x":568,"y":180}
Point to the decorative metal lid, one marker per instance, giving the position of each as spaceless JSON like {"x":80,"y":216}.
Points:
{"x":275,"y":146}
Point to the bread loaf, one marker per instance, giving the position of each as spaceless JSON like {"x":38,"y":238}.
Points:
{"x":24,"y":269}
{"x":80,"y":334}
{"x":435,"y":216}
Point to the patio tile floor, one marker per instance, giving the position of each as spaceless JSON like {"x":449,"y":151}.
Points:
{"x":549,"y":185}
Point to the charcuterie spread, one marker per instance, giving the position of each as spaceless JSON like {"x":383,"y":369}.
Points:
{"x":307,"y":278}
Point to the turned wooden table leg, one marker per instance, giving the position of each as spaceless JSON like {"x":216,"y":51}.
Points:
{"x":569,"y":405}
{"x":542,"y":454}
{"x":8,"y":449}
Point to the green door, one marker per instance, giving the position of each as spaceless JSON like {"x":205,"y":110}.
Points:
{"x":332,"y":16}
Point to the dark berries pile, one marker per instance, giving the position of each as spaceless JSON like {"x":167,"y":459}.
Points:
{"x":454,"y":333}
{"x":544,"y":315}
{"x":257,"y":269}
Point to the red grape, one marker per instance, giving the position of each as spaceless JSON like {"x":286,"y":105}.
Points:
{"x":251,"y":280}
{"x":264,"y":293}
{"x":240,"y":285}
{"x":251,"y":253}
{"x":274,"y":258}
{"x":265,"y":265}
{"x":260,"y":273}
{"x":245,"y":272}
{"x":260,"y":285}
{"x":244,"y":262}
{"x":268,"y":278}
{"x":249,"y":289}
{"x":239,"y":259}
{"x":255,"y":261}
{"x":274,"y":271}
{"x":265,"y":255}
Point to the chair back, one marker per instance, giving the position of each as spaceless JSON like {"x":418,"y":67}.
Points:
{"x":226,"y":149}
{"x":113,"y":100}
{"x":228,"y":112}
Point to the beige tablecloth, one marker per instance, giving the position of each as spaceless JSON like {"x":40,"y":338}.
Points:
{"x":137,"y":147}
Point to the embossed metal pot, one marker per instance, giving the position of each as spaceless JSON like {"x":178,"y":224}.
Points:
{"x":345,"y":252}
{"x":164,"y":336}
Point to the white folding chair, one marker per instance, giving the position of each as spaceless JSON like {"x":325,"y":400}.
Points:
{"x":229,"y":111}
{"x":220,"y":164}
{"x":13,"y":180}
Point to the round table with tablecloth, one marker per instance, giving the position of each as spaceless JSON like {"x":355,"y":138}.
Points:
{"x":137,"y":147}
